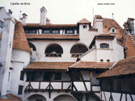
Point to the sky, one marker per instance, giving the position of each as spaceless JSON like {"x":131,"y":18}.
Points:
{"x":71,"y":11}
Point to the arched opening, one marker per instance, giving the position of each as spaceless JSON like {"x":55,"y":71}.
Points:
{"x":78,"y":50}
{"x":64,"y":98}
{"x":104,"y":46}
{"x":54,"y":50}
{"x":93,"y":97}
{"x":33,"y":50}
{"x":32,"y":46}
{"x":36,"y":97}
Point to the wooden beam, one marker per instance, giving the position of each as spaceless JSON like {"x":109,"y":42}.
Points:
{"x":83,"y":82}
{"x":131,"y":97}
{"x":121,"y":97}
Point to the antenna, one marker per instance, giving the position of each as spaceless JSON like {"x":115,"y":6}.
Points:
{"x":112,"y":15}
{"x":20,"y":15}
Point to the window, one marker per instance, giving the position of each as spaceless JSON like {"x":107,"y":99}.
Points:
{"x":113,"y":30}
{"x":78,"y":50}
{"x":39,"y":100}
{"x":76,"y":76}
{"x":20,"y":90}
{"x":57,"y":76}
{"x":31,"y":31}
{"x":1,"y":24}
{"x":104,"y":45}
{"x":22,"y":75}
{"x":101,"y":60}
{"x":54,"y":50}
{"x":84,"y":26}
{"x":55,"y":32}
{"x":69,"y":32}
{"x":46,"y":31}
{"x":108,"y":60}
{"x":47,"y":76}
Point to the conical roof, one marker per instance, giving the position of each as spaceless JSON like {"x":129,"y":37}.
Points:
{"x":20,"y":41}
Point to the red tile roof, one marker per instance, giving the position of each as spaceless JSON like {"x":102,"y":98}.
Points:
{"x":52,"y":37}
{"x":49,"y":65}
{"x":123,"y":67}
{"x":130,"y":44}
{"x":109,"y":23}
{"x":83,"y":21}
{"x":11,"y":97}
{"x":106,"y":36}
{"x":91,"y":65}
{"x":20,"y":41}
{"x":37,"y":25}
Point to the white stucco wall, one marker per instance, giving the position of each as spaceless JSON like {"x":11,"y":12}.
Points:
{"x":21,"y":56}
{"x":15,"y":81}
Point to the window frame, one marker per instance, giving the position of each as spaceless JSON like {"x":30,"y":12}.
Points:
{"x":104,"y":46}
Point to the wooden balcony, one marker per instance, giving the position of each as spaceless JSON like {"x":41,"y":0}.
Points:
{"x":48,"y":86}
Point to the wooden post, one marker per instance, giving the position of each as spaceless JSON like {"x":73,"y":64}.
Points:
{"x":91,"y":81}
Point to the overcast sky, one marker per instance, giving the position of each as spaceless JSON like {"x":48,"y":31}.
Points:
{"x":71,"y":11}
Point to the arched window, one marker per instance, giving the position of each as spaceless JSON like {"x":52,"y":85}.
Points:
{"x":104,"y":45}
{"x":78,"y":50}
{"x":54,"y":50}
{"x":32,"y":46}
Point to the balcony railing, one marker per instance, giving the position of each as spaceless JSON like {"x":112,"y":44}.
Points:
{"x":47,"y":86}
{"x":53,"y":54}
{"x":76,"y":54}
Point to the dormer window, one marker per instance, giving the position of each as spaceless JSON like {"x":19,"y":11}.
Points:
{"x":112,"y":30}
{"x":104,"y":46}
{"x":84,"y":26}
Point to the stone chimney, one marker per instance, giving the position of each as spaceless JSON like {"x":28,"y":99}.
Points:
{"x":24,"y":18}
{"x":43,"y":13}
{"x":98,"y":23}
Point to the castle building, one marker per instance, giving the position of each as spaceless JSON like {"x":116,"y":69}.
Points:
{"x":60,"y":62}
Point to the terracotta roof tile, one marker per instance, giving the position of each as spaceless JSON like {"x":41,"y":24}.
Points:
{"x":84,"y":21}
{"x":130,"y":44}
{"x":20,"y":41}
{"x":108,"y":23}
{"x":52,"y":37}
{"x":98,"y":16}
{"x":37,"y":25}
{"x":123,"y":67}
{"x":91,"y":65}
{"x":105,"y":36}
{"x":11,"y":97}
{"x":49,"y":65}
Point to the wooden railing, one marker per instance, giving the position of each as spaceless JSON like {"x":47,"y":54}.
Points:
{"x":47,"y":86}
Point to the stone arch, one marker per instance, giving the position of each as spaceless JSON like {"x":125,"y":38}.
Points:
{"x":54,"y":50}
{"x":32,"y":46}
{"x":36,"y":97}
{"x":65,"y":97}
{"x":78,"y":49}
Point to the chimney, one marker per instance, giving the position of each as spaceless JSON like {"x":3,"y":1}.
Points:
{"x":43,"y":13}
{"x":24,"y":18}
{"x":10,"y":12}
{"x":131,"y":25}
{"x":98,"y":23}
